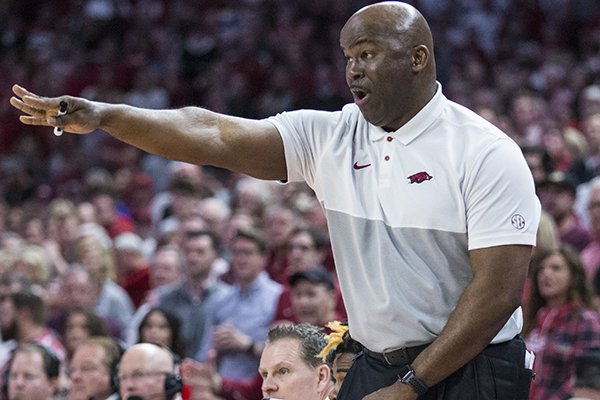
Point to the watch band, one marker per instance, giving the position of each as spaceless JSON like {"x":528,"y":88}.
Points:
{"x":407,"y":376}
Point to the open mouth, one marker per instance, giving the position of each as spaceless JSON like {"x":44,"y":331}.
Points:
{"x":360,"y":96}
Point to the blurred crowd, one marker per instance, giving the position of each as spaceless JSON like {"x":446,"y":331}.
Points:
{"x":101,"y":238}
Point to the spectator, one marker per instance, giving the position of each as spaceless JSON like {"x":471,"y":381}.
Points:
{"x":540,"y":163}
{"x":109,"y":216}
{"x":166,"y":272}
{"x":242,"y":317}
{"x":148,"y":371}
{"x":587,"y":375}
{"x":191,"y":300}
{"x":132,"y":269}
{"x":30,"y":323}
{"x":32,"y":373}
{"x":307,"y":249}
{"x":313,"y":297}
{"x":590,"y":255}
{"x":81,"y":324}
{"x":76,"y":290}
{"x":113,"y":303}
{"x":279,"y":222}
{"x":557,"y":195}
{"x":162,"y":329}
{"x":93,"y":369}
{"x":166,"y":268}
{"x":561,"y":322}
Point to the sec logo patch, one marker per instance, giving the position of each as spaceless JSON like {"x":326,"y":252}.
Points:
{"x":518,"y":221}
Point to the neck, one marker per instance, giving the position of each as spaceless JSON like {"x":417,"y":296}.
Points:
{"x":195,"y":287}
{"x":556,"y":301}
{"x":246,"y":283}
{"x":27,"y":331}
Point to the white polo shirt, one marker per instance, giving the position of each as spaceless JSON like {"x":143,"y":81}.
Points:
{"x":404,"y":208}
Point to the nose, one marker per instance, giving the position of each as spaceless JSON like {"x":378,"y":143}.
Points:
{"x":268,"y":386}
{"x":353,"y":71}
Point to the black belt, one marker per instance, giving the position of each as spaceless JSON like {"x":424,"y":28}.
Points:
{"x":405,"y":355}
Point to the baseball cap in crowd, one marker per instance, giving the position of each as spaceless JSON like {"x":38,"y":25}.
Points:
{"x":128,"y":241}
{"x":560,"y":180}
{"x":317,"y":275}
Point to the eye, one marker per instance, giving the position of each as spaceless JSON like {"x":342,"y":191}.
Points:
{"x":283,"y":371}
{"x":367,"y":55}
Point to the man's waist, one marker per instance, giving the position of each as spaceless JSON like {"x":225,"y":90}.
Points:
{"x":402,"y":356}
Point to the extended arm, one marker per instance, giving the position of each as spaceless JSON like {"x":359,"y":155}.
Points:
{"x":189,"y":134}
{"x":486,"y":304}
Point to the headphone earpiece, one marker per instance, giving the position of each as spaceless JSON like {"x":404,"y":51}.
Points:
{"x":173,"y":385}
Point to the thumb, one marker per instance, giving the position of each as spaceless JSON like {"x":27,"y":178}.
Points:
{"x":211,"y":361}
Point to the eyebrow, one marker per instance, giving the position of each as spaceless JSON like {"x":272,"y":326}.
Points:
{"x":277,"y":366}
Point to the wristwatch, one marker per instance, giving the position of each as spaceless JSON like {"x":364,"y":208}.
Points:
{"x":407,"y":377}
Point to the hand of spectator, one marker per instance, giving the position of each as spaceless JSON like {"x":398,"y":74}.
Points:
{"x":202,"y":378}
{"x":227,"y":337}
{"x":81,"y":116}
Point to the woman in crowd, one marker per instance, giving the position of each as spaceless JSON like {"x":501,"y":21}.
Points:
{"x":164,"y":329}
{"x":81,"y":324}
{"x":561,"y":321}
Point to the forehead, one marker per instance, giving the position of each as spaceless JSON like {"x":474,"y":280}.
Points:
{"x":30,"y":360}
{"x":156,"y":316}
{"x":302,"y":237}
{"x":88,"y":352}
{"x":135,"y":360}
{"x":303,"y":285}
{"x":145,"y":358}
{"x":374,"y":25}
{"x":281,"y":352}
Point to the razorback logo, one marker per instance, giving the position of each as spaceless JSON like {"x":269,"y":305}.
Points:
{"x":419,"y":177}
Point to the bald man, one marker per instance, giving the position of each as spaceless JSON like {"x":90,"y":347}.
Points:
{"x":431,"y":209}
{"x":148,"y":372}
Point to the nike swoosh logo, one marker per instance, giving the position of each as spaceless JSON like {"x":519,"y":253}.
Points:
{"x":357,"y":166}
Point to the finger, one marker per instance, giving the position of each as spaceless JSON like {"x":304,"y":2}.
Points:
{"x":21,"y":91}
{"x":211,"y":361}
{"x":52,"y":106}
{"x":30,"y":120}
{"x":27,"y":109}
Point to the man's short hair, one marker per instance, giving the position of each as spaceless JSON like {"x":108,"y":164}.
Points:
{"x":28,"y":300}
{"x":254,"y":236}
{"x":112,"y":350}
{"x":196,"y":233}
{"x":51,"y":361}
{"x":318,"y":238}
{"x":312,"y":340}
{"x":316,"y":276}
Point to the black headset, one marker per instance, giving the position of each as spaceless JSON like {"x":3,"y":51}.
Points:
{"x":51,"y":364}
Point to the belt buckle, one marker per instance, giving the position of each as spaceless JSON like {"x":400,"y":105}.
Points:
{"x":385,"y":357}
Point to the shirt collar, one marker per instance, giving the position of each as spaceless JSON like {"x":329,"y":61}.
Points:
{"x":417,"y":124}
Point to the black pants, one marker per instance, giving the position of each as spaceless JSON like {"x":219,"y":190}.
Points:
{"x":497,"y":373}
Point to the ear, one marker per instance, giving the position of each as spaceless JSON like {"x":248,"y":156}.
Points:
{"x":420,"y":58}
{"x":324,"y":375}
